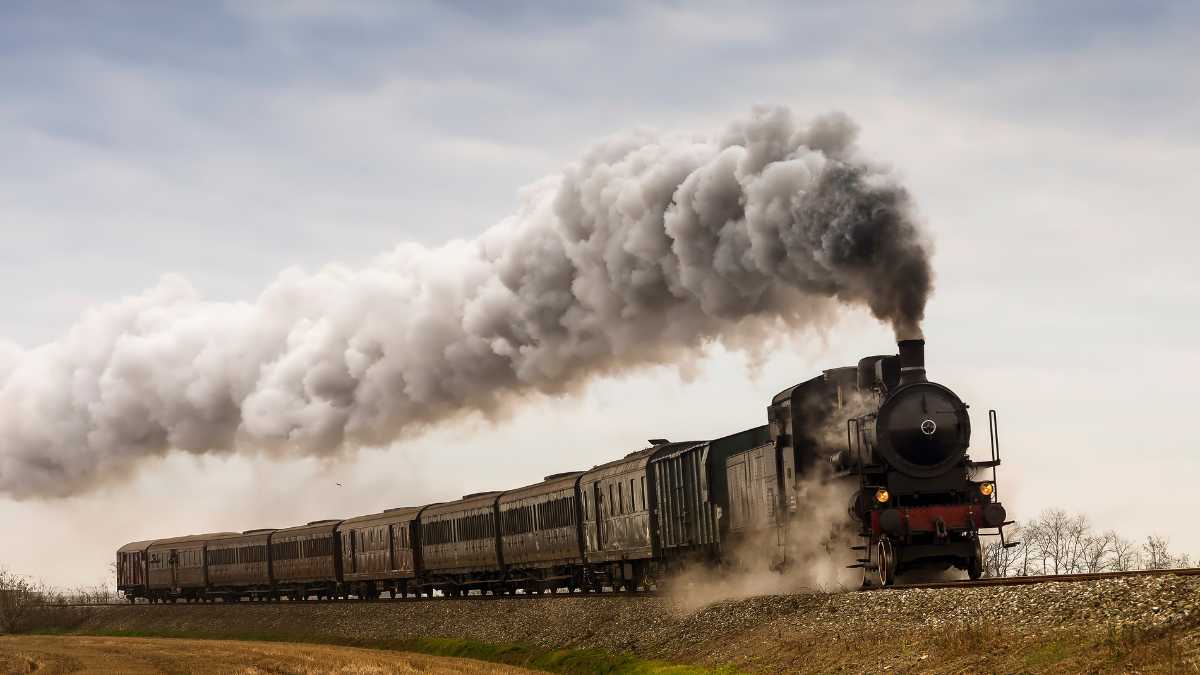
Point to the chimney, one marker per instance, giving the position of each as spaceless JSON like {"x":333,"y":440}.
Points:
{"x":912,"y":361}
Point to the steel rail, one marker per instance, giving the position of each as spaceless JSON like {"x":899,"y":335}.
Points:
{"x":1041,"y":579}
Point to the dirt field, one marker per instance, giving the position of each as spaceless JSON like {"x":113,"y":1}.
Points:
{"x":79,"y":654}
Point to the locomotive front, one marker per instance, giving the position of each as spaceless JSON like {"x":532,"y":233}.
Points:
{"x":922,"y":502}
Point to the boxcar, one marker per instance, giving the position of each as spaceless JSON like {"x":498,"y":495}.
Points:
{"x":685,"y":519}
{"x":377,"y":552}
{"x":306,"y":560}
{"x":460,"y":547}
{"x":691,"y":494}
{"x":131,"y":569}
{"x":240,"y":564}
{"x":541,"y":539}
{"x":753,"y":482}
{"x":175,"y":567}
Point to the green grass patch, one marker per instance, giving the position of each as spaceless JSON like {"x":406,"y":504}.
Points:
{"x":1049,"y":653}
{"x":570,"y":661}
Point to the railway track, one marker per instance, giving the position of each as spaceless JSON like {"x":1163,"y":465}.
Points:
{"x":1043,"y":578}
{"x":258,"y":603}
{"x":993,"y":581}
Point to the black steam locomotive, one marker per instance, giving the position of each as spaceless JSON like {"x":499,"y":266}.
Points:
{"x":921,"y":501}
{"x":918,"y":502}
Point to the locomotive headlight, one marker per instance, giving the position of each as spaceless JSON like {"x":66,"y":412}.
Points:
{"x":882,"y":496}
{"x":986,"y":489}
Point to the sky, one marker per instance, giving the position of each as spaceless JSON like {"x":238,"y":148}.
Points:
{"x":1051,"y":149}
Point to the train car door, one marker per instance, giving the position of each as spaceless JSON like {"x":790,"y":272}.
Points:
{"x":598,"y":495}
{"x":173,"y":560}
{"x":391,"y":547}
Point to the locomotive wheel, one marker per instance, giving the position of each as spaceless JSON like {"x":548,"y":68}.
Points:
{"x":885,"y":560}
{"x":975,"y":564}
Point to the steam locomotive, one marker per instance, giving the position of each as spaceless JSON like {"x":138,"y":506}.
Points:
{"x":918,"y":501}
{"x":921,"y":500}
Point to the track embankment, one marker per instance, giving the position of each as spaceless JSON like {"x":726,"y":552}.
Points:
{"x":1142,"y":623}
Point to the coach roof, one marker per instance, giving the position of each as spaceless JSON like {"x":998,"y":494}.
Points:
{"x":136,"y":546}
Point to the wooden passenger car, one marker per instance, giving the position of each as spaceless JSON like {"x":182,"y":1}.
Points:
{"x":460,"y":545}
{"x":618,"y":534}
{"x":541,"y":538}
{"x":378,"y":552}
{"x":131,"y":569}
{"x":240,"y":564}
{"x":175,"y":567}
{"x":306,"y":560}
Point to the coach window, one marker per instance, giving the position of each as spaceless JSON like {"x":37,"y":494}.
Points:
{"x":643,"y":491}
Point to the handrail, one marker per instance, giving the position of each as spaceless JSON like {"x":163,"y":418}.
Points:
{"x":994,"y":437}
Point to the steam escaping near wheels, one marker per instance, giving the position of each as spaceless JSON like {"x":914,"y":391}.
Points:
{"x":645,"y":249}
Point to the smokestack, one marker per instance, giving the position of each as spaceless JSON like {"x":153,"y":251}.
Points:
{"x":912,"y":361}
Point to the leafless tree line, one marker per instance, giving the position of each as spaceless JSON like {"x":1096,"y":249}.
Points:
{"x":1058,"y":542}
{"x":21,"y":596}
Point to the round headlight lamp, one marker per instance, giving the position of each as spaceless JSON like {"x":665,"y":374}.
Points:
{"x":986,"y":489}
{"x":882,"y":496}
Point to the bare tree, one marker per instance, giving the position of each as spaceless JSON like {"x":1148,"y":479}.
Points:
{"x":1078,"y":532}
{"x":1122,"y":553}
{"x":1156,"y":554}
{"x":1097,"y":549}
{"x":1029,"y":552}
{"x":1058,"y":540}
{"x":19,"y":597}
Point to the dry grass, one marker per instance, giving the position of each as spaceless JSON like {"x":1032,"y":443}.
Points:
{"x":55,"y":654}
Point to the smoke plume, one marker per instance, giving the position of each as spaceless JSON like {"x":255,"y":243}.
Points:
{"x":648,"y":247}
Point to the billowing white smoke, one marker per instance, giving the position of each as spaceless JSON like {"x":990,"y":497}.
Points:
{"x":646,"y":248}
